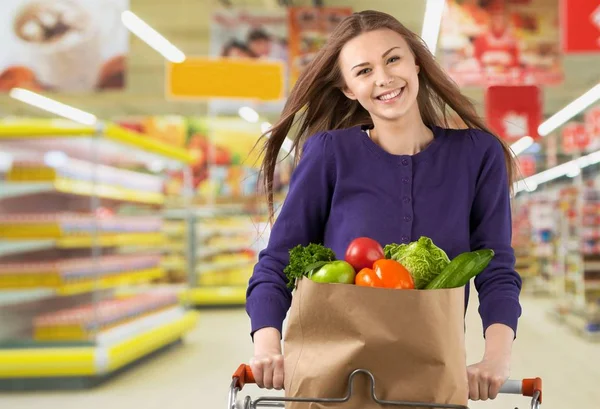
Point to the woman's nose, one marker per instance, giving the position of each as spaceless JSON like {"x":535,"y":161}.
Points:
{"x":383,"y":79}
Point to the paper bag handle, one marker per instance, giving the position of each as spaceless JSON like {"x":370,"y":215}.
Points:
{"x":526,"y":387}
{"x":242,"y":376}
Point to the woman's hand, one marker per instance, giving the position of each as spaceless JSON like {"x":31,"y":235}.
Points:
{"x":487,"y":377}
{"x":267,"y":363}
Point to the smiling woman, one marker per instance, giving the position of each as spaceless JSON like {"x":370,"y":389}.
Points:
{"x":379,"y":160}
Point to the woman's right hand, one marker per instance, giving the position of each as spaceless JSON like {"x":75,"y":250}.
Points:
{"x":267,"y":363}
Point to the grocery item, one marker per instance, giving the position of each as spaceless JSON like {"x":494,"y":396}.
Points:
{"x":422,"y":258}
{"x":461,"y":269}
{"x":338,"y":271}
{"x":363,"y":252}
{"x":304,"y":259}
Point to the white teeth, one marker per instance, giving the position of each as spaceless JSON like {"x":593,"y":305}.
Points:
{"x":389,"y":96}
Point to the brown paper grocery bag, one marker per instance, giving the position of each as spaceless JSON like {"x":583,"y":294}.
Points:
{"x":412,"y":341}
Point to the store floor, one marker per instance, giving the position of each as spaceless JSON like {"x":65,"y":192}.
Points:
{"x":197,"y":373}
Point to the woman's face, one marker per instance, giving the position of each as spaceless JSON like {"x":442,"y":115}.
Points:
{"x":380,"y":72}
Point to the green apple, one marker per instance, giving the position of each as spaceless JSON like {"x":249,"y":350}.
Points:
{"x":338,"y":271}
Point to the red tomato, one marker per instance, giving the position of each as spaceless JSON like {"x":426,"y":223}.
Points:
{"x":367,"y":278}
{"x":393,"y":274}
{"x":363,"y":252}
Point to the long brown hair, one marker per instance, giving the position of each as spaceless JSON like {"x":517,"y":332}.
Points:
{"x":321,"y":105}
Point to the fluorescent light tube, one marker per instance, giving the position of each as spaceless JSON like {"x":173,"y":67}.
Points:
{"x":570,"y":111}
{"x":570,"y":169}
{"x":249,"y":114}
{"x":264,"y":127}
{"x":152,"y":37}
{"x":434,"y":9}
{"x":53,"y":106}
{"x":521,"y":145}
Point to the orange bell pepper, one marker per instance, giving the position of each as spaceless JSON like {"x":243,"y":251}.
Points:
{"x":385,"y":274}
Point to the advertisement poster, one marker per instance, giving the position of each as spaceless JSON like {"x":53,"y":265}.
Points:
{"x":503,"y":42}
{"x":309,"y":29}
{"x":63,"y":45}
{"x":248,"y":34}
{"x":514,"y":111}
{"x":580,"y":20}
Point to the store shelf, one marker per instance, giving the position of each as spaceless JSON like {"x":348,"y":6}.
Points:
{"x":110,"y":135}
{"x":93,"y":361}
{"x":215,"y":296}
{"x":79,"y":286}
{"x":21,"y":245}
{"x":225,"y":265}
{"x":79,"y":188}
{"x":16,"y":247}
{"x":16,"y":297}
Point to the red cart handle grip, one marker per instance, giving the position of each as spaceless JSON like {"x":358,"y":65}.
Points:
{"x":242,"y":376}
{"x":531,"y":386}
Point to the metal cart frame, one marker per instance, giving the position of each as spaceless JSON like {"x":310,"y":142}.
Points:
{"x":526,"y":387}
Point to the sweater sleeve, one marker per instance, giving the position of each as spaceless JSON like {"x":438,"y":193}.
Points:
{"x":301,"y":220}
{"x":499,"y":285}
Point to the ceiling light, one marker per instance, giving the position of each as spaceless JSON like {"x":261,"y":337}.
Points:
{"x":53,"y":106}
{"x":570,"y":111}
{"x":521,"y":145}
{"x":264,"y":127}
{"x":565,"y":169}
{"x":287,"y":146}
{"x":434,"y":9}
{"x":152,"y":37}
{"x":248,"y":114}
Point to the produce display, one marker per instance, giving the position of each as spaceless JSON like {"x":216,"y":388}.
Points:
{"x":417,"y":265}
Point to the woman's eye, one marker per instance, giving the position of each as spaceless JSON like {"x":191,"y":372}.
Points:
{"x":393,"y":59}
{"x":364,"y":71}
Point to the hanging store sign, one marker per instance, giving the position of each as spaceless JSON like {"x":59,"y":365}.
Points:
{"x":514,"y":112}
{"x":580,"y":20}
{"x":205,"y":78}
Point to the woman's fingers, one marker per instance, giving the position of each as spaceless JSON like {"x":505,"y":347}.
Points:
{"x":257,"y":371}
{"x":278,"y":371}
{"x":473,"y":373}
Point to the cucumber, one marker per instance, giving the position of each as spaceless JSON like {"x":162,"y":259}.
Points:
{"x":462,"y":269}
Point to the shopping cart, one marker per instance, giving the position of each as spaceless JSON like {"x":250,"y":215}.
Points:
{"x":527,"y":387}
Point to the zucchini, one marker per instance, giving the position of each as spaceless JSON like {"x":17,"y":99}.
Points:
{"x":462,"y":269}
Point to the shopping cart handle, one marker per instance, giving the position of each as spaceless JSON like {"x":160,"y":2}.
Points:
{"x":525,"y":387}
{"x":242,"y":376}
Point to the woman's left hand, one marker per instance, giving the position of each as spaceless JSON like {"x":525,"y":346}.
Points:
{"x":487,"y":377}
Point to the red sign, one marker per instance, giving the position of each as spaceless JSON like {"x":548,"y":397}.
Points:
{"x":580,"y":26}
{"x":574,"y":137}
{"x":526,"y":165}
{"x":514,"y":112}
{"x":592,"y":123}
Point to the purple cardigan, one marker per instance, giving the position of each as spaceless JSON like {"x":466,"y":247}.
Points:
{"x":455,"y":191}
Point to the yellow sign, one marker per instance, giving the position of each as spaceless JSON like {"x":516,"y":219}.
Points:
{"x":203,"y":77}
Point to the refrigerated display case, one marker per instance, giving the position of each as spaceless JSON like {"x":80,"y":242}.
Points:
{"x":82,"y":251}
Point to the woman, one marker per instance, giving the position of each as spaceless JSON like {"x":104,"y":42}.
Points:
{"x":379,"y":161}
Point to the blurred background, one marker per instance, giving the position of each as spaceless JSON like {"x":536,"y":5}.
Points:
{"x":130,"y":217}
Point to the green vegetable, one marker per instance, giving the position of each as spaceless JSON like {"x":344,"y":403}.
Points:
{"x":462,"y":269}
{"x":339,"y":271}
{"x":305,"y":259}
{"x":423,"y":259}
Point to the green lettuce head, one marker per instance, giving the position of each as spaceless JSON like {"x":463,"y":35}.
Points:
{"x":423,"y":259}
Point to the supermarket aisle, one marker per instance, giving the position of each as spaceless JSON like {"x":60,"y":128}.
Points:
{"x":196,"y":374}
